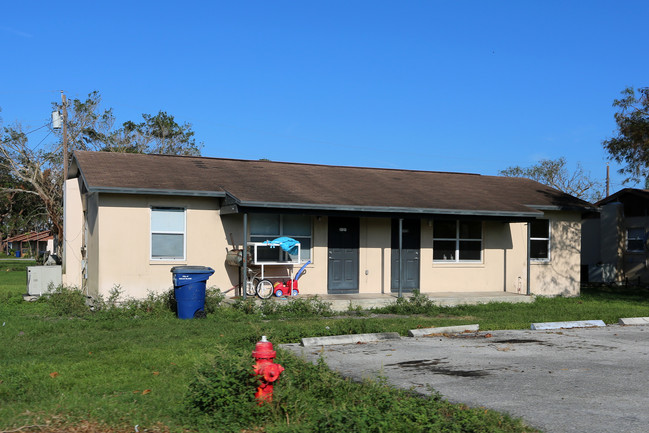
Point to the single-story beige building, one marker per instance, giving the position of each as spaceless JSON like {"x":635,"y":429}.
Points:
{"x":130,"y":218}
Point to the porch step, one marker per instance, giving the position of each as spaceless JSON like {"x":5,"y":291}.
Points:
{"x":446,"y":299}
{"x":366,"y":301}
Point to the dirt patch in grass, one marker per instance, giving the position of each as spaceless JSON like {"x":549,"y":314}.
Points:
{"x":60,"y":426}
{"x":451,"y":316}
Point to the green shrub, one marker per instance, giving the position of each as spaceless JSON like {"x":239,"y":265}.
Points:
{"x":223,"y":392}
{"x":284,"y":308}
{"x":414,"y":304}
{"x":66,"y":301}
{"x":213,"y":299}
{"x":152,"y":305}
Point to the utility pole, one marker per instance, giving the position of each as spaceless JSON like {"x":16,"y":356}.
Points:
{"x":64,"y":101}
{"x":608,"y":179}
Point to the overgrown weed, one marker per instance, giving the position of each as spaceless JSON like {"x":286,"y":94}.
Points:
{"x":313,"y":398}
{"x":414,"y":304}
{"x":71,"y":302}
{"x":284,"y":308}
{"x":66,"y":301}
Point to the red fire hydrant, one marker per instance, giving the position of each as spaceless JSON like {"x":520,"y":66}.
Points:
{"x":266,"y":369}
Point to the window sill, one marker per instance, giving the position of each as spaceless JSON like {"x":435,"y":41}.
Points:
{"x":168,"y":262}
{"x":458,"y":264}
{"x":540,"y":261}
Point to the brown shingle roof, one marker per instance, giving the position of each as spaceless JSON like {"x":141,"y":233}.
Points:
{"x":279,"y":184}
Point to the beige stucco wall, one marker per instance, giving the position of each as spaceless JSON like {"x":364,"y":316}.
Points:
{"x":374,"y":255}
{"x":123,"y":232}
{"x":90,"y":282}
{"x":314,"y":280}
{"x":503,"y":267}
{"x":561,"y":274}
{"x":500,"y":246}
{"x":118,"y":244}
{"x":72,"y":234}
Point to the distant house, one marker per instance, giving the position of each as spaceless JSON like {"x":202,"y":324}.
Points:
{"x":29,"y":244}
{"x":130,"y":218}
{"x":615,"y":240}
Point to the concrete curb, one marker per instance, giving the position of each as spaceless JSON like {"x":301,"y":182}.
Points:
{"x":567,"y":325}
{"x":349,"y":339}
{"x":634,"y":321}
{"x":427,"y":332}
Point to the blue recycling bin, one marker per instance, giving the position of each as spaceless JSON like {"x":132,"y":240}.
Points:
{"x":18,"y":254}
{"x":189,"y":290}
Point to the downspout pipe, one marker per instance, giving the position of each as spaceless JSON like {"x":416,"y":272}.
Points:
{"x":400,"y":257}
{"x":529,"y":234}
{"x":244,"y":256}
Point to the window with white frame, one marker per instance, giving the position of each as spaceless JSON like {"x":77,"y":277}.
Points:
{"x":457,"y":241}
{"x":540,"y":240}
{"x":167,"y":233}
{"x":635,"y":239}
{"x":266,"y":227}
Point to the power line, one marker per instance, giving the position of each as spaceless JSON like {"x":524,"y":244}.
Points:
{"x":41,"y":142}
{"x":34,"y":130}
{"x":29,"y":132}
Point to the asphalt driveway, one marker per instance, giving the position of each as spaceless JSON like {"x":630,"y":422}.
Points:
{"x":575,"y":380}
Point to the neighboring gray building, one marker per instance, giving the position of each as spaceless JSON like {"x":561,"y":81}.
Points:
{"x":614,"y":243}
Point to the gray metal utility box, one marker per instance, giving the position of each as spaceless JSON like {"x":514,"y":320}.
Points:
{"x":39,"y":279}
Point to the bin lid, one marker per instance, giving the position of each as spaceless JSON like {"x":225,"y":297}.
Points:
{"x":191,"y":270}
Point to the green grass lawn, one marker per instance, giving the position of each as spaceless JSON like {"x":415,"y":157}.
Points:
{"x":13,"y":277}
{"x":142,"y":366}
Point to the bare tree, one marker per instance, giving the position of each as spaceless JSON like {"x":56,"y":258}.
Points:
{"x":555,"y":173}
{"x":89,"y":128}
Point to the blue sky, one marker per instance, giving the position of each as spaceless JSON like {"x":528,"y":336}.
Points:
{"x":468,"y":86}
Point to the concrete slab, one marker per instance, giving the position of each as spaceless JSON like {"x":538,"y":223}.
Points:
{"x":569,"y":381}
{"x":567,"y":325}
{"x":349,"y":339}
{"x":368,"y":301}
{"x":634,"y":321}
{"x":429,"y":332}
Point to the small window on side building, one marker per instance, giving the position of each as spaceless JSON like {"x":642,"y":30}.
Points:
{"x":540,"y":240}
{"x":635,"y":239}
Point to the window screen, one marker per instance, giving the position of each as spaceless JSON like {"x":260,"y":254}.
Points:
{"x":168,"y":233}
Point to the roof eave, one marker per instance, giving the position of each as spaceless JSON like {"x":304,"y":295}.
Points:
{"x":388,"y":209}
{"x":155,"y":191}
{"x":575,"y":208}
